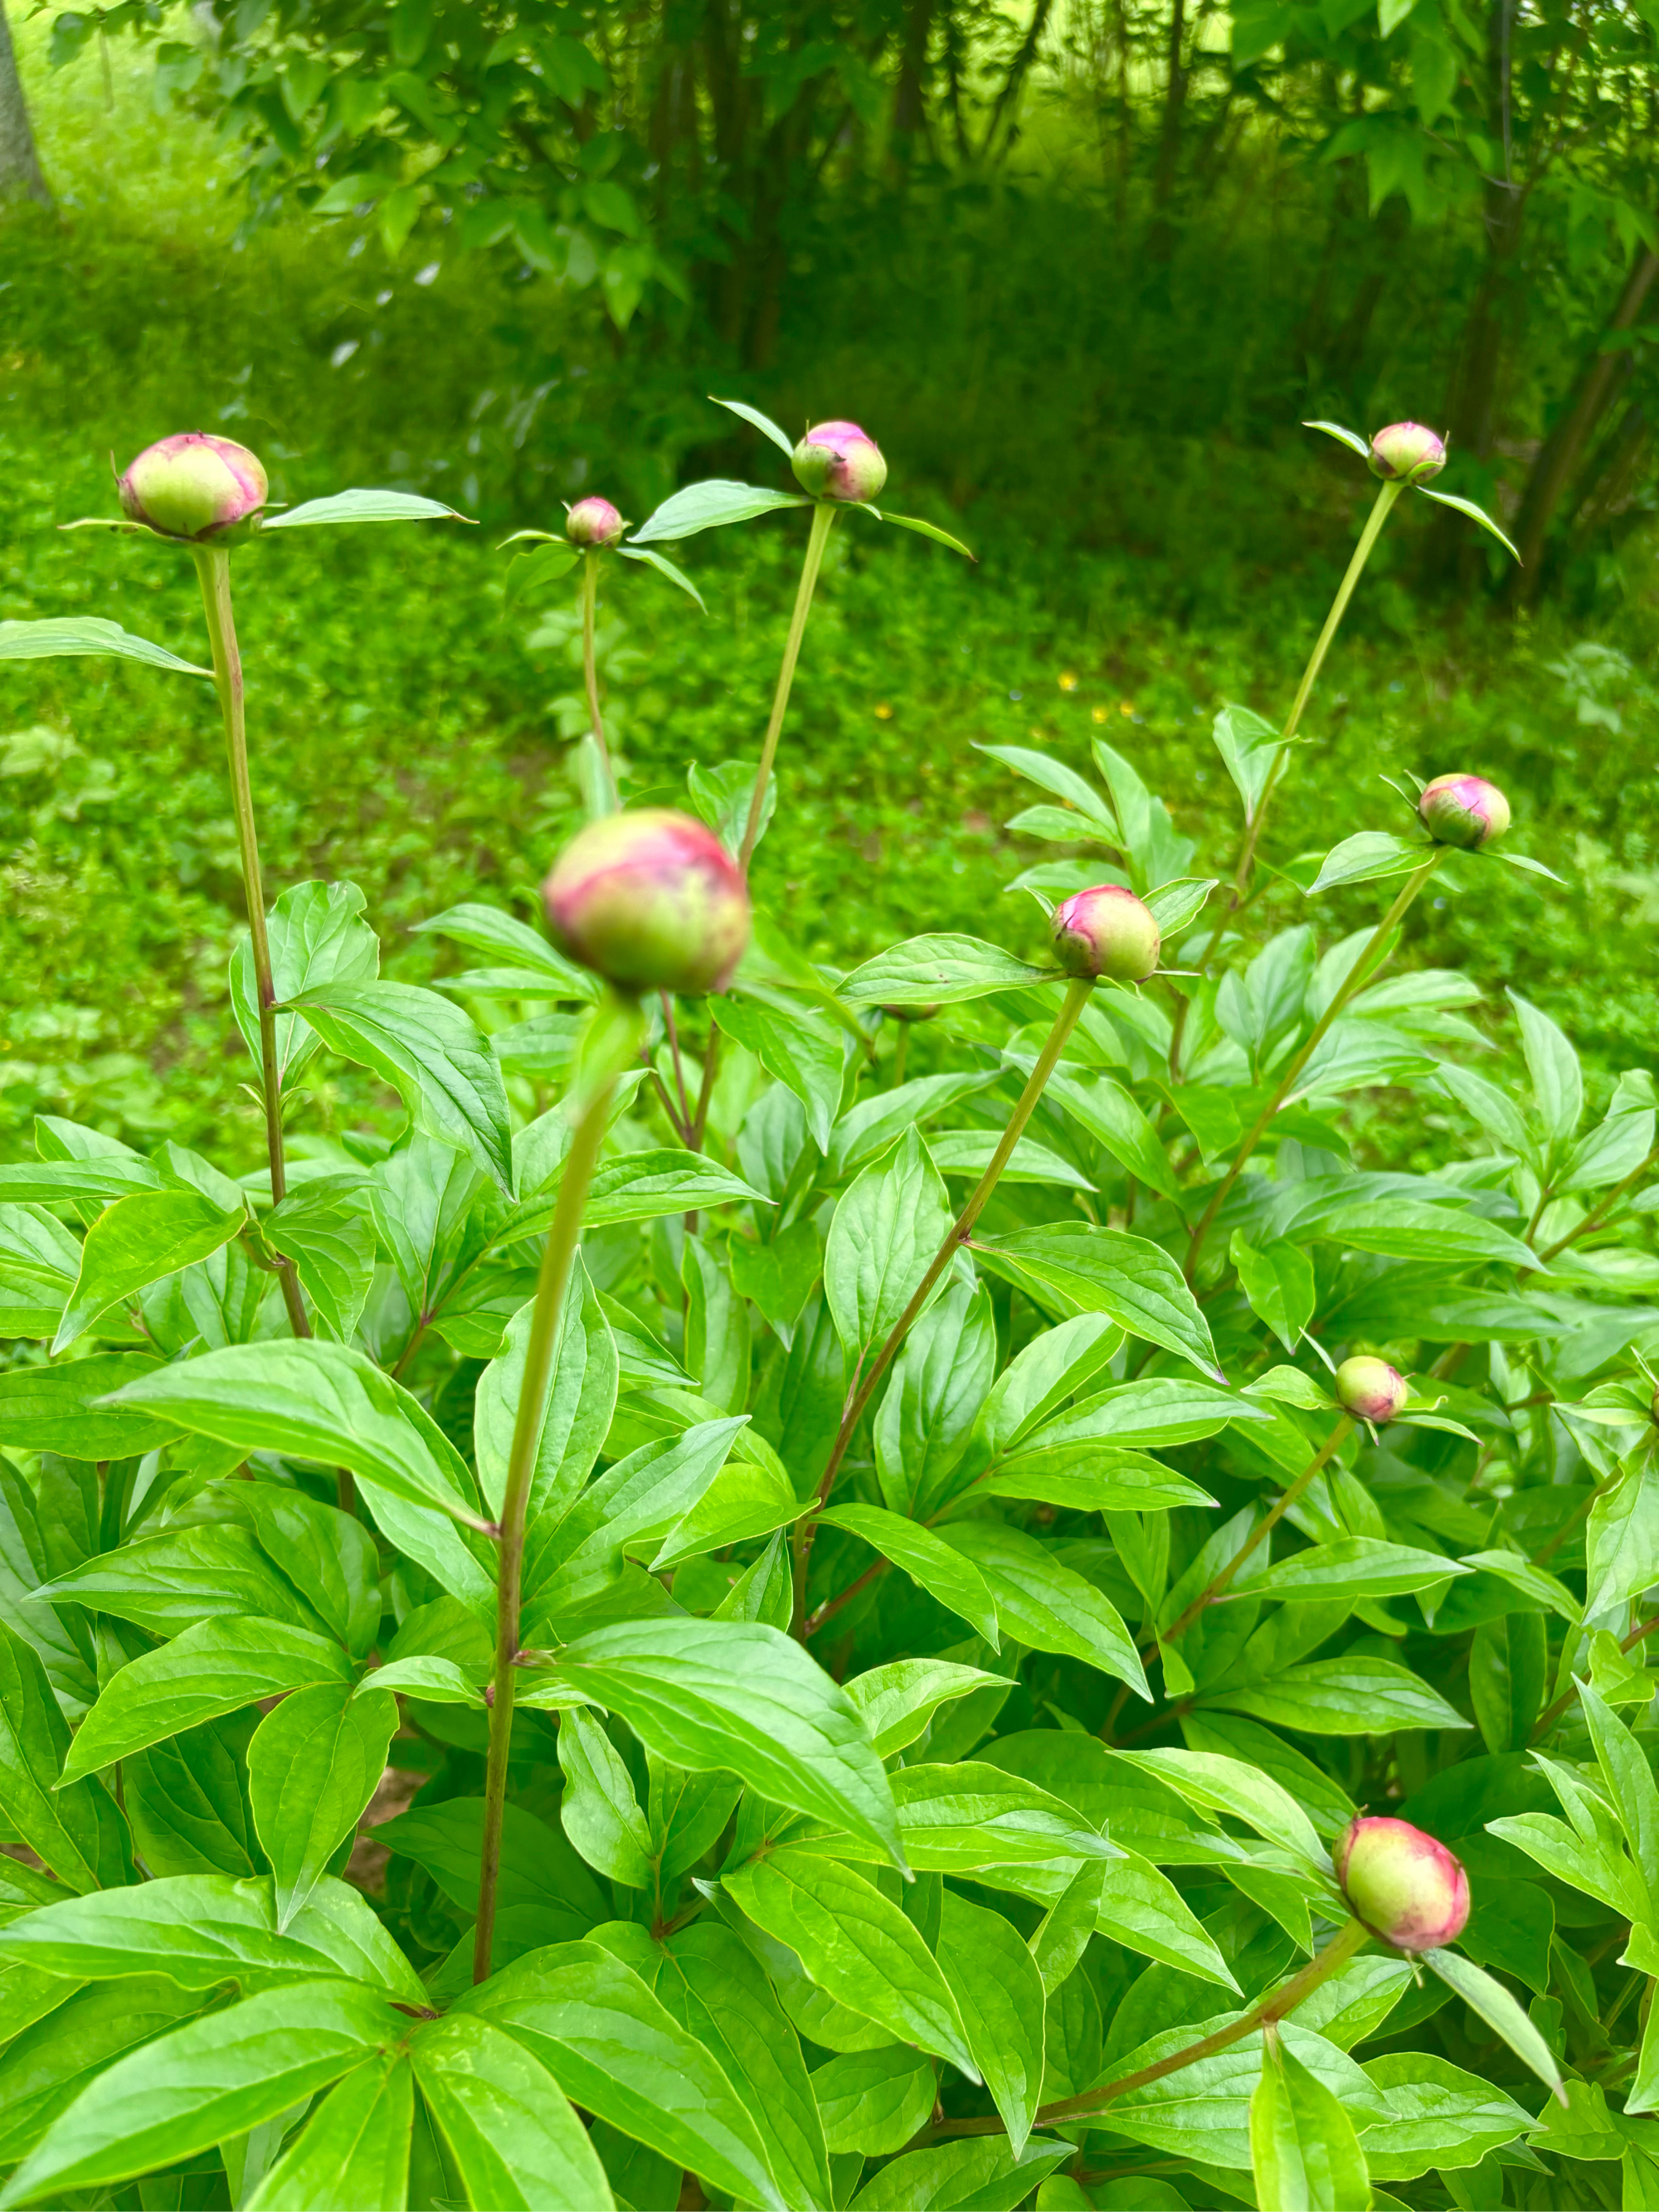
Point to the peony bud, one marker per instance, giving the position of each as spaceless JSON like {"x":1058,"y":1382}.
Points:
{"x":1371,"y":1389}
{"x":594,"y":522}
{"x":912,"y":1014}
{"x":193,"y":486}
{"x":1406,"y":453}
{"x":837,"y":461}
{"x":1106,"y":931}
{"x":650,"y":901}
{"x":1408,"y":1889}
{"x":1463,"y":809}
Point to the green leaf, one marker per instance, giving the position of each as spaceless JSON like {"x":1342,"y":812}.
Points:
{"x":1304,"y":2154}
{"x":502,"y":937}
{"x":1217,"y":1783}
{"x":1357,"y":1567}
{"x":763,"y":423}
{"x":57,"y":1182}
{"x":712,"y":505}
{"x":1279,"y":1282}
{"x":72,"y":1832}
{"x":1074,"y":1267}
{"x":581,"y":1398}
{"x":325,"y":1229}
{"x":931,"y":1561}
{"x":1558,"y":1080}
{"x":965,"y":1817}
{"x":1509,"y":1670}
{"x":1347,"y":1696}
{"x":923,"y":529}
{"x":211,"y":2080}
{"x":1248,"y":747}
{"x":897,"y":1702}
{"x":547,"y":564}
{"x":1492,"y":2002}
{"x":741,"y":1696}
{"x":1062,"y":1935}
{"x":140,"y":1240}
{"x":317,"y":935}
{"x":314,"y":1763}
{"x":1475,"y":514}
{"x":1112,"y":1118}
{"x":664,"y":567}
{"x":85,"y":634}
{"x":1088,"y":1479}
{"x":980,"y":2172}
{"x":744,"y":1500}
{"x":168,"y":1582}
{"x":1630,"y":1786}
{"x":937,"y":970}
{"x":1001,"y":2002}
{"x":874,"y":2102}
{"x":636,"y":1502}
{"x":1621,"y":1542}
{"x":1438,"y":2116}
{"x":615,"y":2051}
{"x":363,"y":507}
{"x":886,"y":1231}
{"x":539,"y":1873}
{"x":353,"y":2148}
{"x":313,"y":1400}
{"x":806,"y":1058}
{"x":328,"y":1556}
{"x":438,"y":1062}
{"x":68,"y":2043}
{"x":204,"y":1930}
{"x":515,"y":2140}
{"x":1203,"y":2111}
{"x":1407,"y":1229}
{"x":1349,"y":437}
{"x":1366,"y":857}
{"x":642,"y":1186}
{"x":217,"y":1667}
{"x":184,"y":1800}
{"x":599,"y":1809}
{"x":1044,"y":1604}
{"x":856,"y":1944}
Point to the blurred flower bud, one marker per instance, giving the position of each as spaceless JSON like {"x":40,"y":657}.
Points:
{"x":1371,"y":1389}
{"x":911,"y":1014}
{"x":194,"y":486}
{"x":594,"y":522}
{"x":837,"y":461}
{"x":1106,"y":931}
{"x":1463,"y":809}
{"x":650,"y":901}
{"x":1408,"y":452}
{"x":1407,"y":1889}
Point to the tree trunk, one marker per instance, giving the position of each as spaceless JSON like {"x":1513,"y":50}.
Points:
{"x":909,"y":109}
{"x":1560,"y":455}
{"x":1160,"y":241}
{"x":20,"y":167}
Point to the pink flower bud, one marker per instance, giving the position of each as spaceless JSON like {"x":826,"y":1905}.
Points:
{"x":1408,"y":1889}
{"x":1463,"y":809}
{"x":837,"y":461}
{"x":594,"y":522}
{"x":1371,"y":1389}
{"x":1106,"y":931}
{"x":193,"y":486}
{"x":650,"y":901}
{"x":1408,"y":452}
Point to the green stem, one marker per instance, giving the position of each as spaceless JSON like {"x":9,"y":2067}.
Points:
{"x":1077,"y":997}
{"x":557,"y":1257}
{"x":824,"y":516}
{"x":1599,"y":1212}
{"x":1551,"y":1714}
{"x":590,"y":670}
{"x":213,"y":571}
{"x":901,"y":1046}
{"x":1219,"y":1584}
{"x":1361,"y":553}
{"x":1265,"y":2013}
{"x":1357,"y":978}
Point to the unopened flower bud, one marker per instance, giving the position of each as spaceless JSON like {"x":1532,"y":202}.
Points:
{"x":594,"y":522}
{"x":1371,"y":1389}
{"x":1407,"y":1888}
{"x":911,"y":1014}
{"x":193,"y":486}
{"x":1408,"y":452}
{"x":651,"y":901}
{"x":1463,"y":809}
{"x":837,"y":460}
{"x":1106,"y":931}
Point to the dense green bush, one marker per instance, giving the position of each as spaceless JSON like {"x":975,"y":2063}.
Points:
{"x":887,"y":1521}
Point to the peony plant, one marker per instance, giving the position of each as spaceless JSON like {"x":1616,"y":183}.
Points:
{"x":1042,"y":1632}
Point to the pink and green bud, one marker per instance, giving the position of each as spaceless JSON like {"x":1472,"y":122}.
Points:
{"x":594,"y":522}
{"x":1408,"y":452}
{"x":1463,"y":809}
{"x":651,"y":901}
{"x":1408,"y":1889}
{"x":837,"y":460}
{"x":1108,"y":932}
{"x":1371,"y":1389}
{"x":193,"y":486}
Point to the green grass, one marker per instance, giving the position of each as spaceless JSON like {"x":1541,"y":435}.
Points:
{"x":406,"y":736}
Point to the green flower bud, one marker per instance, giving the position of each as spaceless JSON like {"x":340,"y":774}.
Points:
{"x":651,"y":901}
{"x":594,"y":522}
{"x":837,"y":460}
{"x":1407,"y":1888}
{"x":1408,"y":452}
{"x":193,"y":486}
{"x":1371,"y":1389}
{"x":1106,"y":931}
{"x":1463,"y":809}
